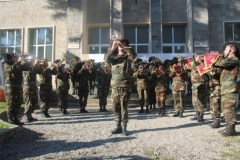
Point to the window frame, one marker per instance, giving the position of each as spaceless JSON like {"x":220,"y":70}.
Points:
{"x":224,"y":36}
{"x":53,"y":40}
{"x":22,"y":38}
{"x":100,"y":45}
{"x":173,"y":45}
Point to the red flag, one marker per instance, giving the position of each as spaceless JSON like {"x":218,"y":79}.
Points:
{"x":210,"y":59}
{"x":178,"y":69}
{"x":188,"y":63}
{"x":202,"y":69}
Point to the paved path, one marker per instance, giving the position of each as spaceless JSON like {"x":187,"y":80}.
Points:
{"x":87,"y":136}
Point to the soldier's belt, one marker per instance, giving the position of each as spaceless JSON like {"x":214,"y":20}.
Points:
{"x":10,"y":85}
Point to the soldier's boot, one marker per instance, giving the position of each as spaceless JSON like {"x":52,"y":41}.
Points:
{"x":200,"y":117}
{"x":208,"y":108}
{"x":100,"y":110}
{"x":31,"y":118}
{"x":154,"y":106}
{"x":81,"y":109}
{"x":176,"y":114}
{"x":147,"y":110}
{"x":10,"y":118}
{"x":141,"y":110}
{"x":160,"y":111}
{"x":181,"y":114}
{"x":163,"y":111}
{"x":118,"y":129}
{"x":104,"y":108}
{"x":27,"y":117}
{"x":84,"y":109}
{"x":124,"y":129}
{"x":16,"y":120}
{"x":216,"y":123}
{"x":150,"y":106}
{"x":64,"y":112}
{"x":230,"y":130}
{"x":223,"y":130}
{"x":195,"y":117}
{"x":45,"y":114}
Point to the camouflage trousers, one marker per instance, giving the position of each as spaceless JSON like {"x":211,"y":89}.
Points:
{"x":178,"y":98}
{"x":45,"y":97}
{"x":14,"y":98}
{"x":103,"y":91}
{"x":198,"y":99}
{"x":83,"y":91}
{"x":30,"y":99}
{"x":121,"y":97}
{"x":215,"y":103}
{"x":143,"y":96}
{"x":62,"y":95}
{"x":228,"y":107}
{"x":152,"y":95}
{"x":161,"y":98}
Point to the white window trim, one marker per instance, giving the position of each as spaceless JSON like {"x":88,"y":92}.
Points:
{"x":17,"y":28}
{"x":53,"y":40}
{"x":224,"y":22}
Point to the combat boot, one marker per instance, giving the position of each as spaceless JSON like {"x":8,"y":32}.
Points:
{"x":163,"y":111}
{"x":223,"y":130}
{"x":124,"y":129}
{"x":118,"y":129}
{"x":10,"y":118}
{"x":216,"y":123}
{"x":84,"y":109}
{"x":81,"y":109}
{"x":154,"y":106}
{"x":100,"y":110}
{"x":160,"y":111}
{"x":104,"y":109}
{"x":27,"y":118}
{"x":45,"y":114}
{"x":181,"y":115}
{"x":31,"y":118}
{"x":64,"y":112}
{"x":147,"y":110}
{"x":195,"y":117}
{"x":230,"y":131}
{"x":141,"y":111}
{"x":200,"y":117}
{"x":16,"y":120}
{"x":176,"y":114}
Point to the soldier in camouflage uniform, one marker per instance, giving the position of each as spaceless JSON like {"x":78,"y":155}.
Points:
{"x":104,"y":79}
{"x":228,"y":81}
{"x":120,"y":58}
{"x":13,"y":68}
{"x":142,"y":85}
{"x":46,"y":87}
{"x":62,"y":88}
{"x":178,"y":89}
{"x":82,"y":74}
{"x":198,"y":88}
{"x":92,"y":77}
{"x":74,"y":86}
{"x":30,"y":94}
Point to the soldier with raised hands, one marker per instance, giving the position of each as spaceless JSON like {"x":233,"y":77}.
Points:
{"x":120,"y":57}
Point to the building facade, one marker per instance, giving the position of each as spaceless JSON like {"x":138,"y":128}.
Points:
{"x":85,"y":28}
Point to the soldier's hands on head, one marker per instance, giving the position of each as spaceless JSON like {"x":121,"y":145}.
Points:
{"x":114,"y":45}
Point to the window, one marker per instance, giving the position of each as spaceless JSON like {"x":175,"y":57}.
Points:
{"x":232,"y":32}
{"x":41,"y":43}
{"x":98,"y":40}
{"x":174,"y":39}
{"x":138,"y":38}
{"x":11,"y":41}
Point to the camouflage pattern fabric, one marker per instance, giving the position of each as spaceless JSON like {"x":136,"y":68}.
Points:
{"x":46,"y":87}
{"x":62,"y":89}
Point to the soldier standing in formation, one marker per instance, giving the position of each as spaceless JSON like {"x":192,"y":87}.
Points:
{"x":13,"y":67}
{"x":30,"y":94}
{"x":178,"y":88}
{"x":74,"y":86}
{"x":229,"y":88}
{"x":120,"y":58}
{"x":92,"y":77}
{"x":63,"y":86}
{"x":46,"y":87}
{"x":142,"y":85}
{"x":82,"y":74}
{"x":104,"y":80}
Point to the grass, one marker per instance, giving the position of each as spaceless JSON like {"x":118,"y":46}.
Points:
{"x":3,"y":126}
{"x":234,"y":152}
{"x":3,"y":106}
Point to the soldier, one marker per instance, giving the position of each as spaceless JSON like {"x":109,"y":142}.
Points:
{"x":178,"y":87}
{"x":229,"y":62}
{"x":74,"y":86}
{"x":13,"y":67}
{"x":46,"y":86}
{"x":198,"y":87}
{"x":104,"y":79}
{"x":62,"y":88}
{"x":142,"y":85}
{"x":159,"y":76}
{"x":30,"y":94}
{"x":92,"y":77}
{"x":82,"y":74}
{"x":120,"y":57}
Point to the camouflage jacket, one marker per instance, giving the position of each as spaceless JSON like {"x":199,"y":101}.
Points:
{"x":178,"y":81}
{"x":13,"y":73}
{"x":228,"y":77}
{"x":30,"y":77}
{"x":103,"y":78}
{"x":160,"y":82}
{"x":46,"y":76}
{"x":197,"y":80}
{"x":62,"y":80}
{"x":142,"y":79}
{"x":120,"y":66}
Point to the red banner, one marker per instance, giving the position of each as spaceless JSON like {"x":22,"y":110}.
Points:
{"x":210,"y":59}
{"x":202,"y":69}
{"x":189,"y":63}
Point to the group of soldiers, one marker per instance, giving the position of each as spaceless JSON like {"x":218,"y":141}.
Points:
{"x":213,"y":79}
